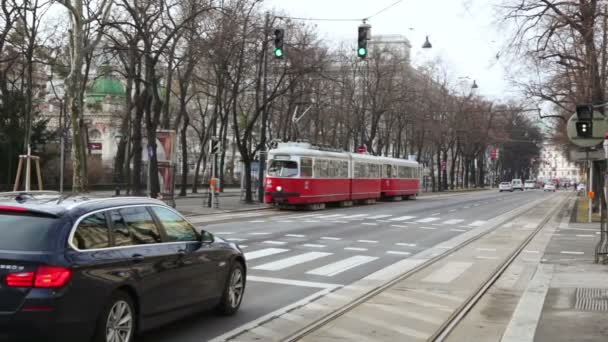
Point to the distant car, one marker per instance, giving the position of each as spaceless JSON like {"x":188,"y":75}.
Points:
{"x":517,"y":184}
{"x":581,"y":187}
{"x":505,"y":186}
{"x":530,"y":185}
{"x":549,"y":187}
{"x":74,"y":268}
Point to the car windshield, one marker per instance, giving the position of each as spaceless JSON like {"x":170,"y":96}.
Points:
{"x":283,"y":168}
{"x":25,"y":233}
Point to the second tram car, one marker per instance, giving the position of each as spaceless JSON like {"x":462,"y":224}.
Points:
{"x":300,"y":174}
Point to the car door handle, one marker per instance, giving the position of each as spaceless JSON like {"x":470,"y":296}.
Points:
{"x":137,"y":257}
{"x":181,"y":252}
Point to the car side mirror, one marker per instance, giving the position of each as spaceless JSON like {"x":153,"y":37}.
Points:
{"x":207,"y":237}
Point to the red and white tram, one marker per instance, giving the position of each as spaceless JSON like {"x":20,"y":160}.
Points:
{"x":300,"y":174}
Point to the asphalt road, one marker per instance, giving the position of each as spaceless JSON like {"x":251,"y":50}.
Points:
{"x":294,"y":255}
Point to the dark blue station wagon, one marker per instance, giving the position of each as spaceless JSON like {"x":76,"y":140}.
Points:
{"x":82,"y":269}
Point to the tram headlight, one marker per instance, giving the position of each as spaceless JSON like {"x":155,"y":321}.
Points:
{"x":279,"y":188}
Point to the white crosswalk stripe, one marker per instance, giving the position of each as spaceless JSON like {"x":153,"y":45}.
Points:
{"x":352,"y":216}
{"x":403,"y":218}
{"x":477,"y":223}
{"x":428,"y":219}
{"x":209,"y":218}
{"x":264,"y":252}
{"x":291,"y":261}
{"x":378,"y":217}
{"x":455,"y":221}
{"x":329,"y":216}
{"x":342,"y":265}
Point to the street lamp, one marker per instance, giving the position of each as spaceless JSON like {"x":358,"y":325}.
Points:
{"x":427,"y":43}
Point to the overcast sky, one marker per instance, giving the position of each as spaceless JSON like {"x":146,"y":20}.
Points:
{"x":463,"y":33}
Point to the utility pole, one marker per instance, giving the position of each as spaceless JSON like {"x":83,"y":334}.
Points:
{"x":263,"y":152}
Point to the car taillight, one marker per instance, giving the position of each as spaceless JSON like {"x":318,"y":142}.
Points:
{"x":44,"y":277}
{"x":24,"y":279}
{"x":52,"y":277}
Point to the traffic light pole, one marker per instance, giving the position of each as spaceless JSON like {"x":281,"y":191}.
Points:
{"x":263,"y":152}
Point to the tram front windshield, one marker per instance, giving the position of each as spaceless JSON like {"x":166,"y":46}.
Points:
{"x":283,"y":168}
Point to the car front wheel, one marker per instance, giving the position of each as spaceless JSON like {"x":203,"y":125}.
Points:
{"x":117,"y":321}
{"x":233,"y":290}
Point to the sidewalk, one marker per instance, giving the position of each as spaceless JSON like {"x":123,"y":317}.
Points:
{"x":576,"y":301}
{"x":553,"y":291}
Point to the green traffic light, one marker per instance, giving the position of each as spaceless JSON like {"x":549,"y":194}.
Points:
{"x":278,"y":52}
{"x":362,"y":52}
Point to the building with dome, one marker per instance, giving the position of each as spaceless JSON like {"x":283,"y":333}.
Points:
{"x":103,"y":110}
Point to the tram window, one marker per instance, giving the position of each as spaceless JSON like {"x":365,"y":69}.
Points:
{"x":306,"y":167}
{"x":387,"y":171}
{"x":321,"y":168}
{"x":344,"y":169}
{"x":283,"y":168}
{"x":373,"y":171}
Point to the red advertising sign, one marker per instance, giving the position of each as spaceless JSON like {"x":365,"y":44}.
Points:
{"x":494,"y":154}
{"x":95,"y":146}
{"x":362,"y":149}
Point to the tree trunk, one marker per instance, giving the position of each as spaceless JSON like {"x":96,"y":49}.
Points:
{"x":184,"y":143}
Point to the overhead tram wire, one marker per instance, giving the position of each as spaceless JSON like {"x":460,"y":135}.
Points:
{"x":343,"y":19}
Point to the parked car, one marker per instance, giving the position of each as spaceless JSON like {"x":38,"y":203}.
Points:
{"x":76,"y":269}
{"x":549,"y":187}
{"x":505,"y":186}
{"x":517,"y":184}
{"x":529,"y":185}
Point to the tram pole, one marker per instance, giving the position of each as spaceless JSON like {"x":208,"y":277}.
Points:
{"x":263,"y":153}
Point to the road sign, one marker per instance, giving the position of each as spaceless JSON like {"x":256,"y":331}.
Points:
{"x":598,"y":129}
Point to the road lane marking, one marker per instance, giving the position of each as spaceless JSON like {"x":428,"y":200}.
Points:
{"x":224,"y":233}
{"x":330,"y":238}
{"x":260,"y":233}
{"x":405,"y":244}
{"x":485,"y":257}
{"x":342,"y":265}
{"x":477,"y":223}
{"x":271,"y":242}
{"x":358,"y":249}
{"x":454,"y":221}
{"x":312,"y":245}
{"x":452,"y":210}
{"x":369,"y":224}
{"x":378,"y":217}
{"x":436,"y":214}
{"x":458,"y":230}
{"x":572,"y":253}
{"x":367,"y":241}
{"x":353,"y":216}
{"x":312,"y":221}
{"x":235,"y":239}
{"x":466,"y":207}
{"x":263,"y":253}
{"x":403,"y":218}
{"x":295,"y":235}
{"x":257,"y":221}
{"x":285,"y":221}
{"x":398,"y":226}
{"x":448,"y":272}
{"x":428,"y":228}
{"x":584,"y":235}
{"x":486,"y":249}
{"x":329,"y":216}
{"x":398,"y":253}
{"x":339,"y":222}
{"x":291,"y":282}
{"x":531,"y":252}
{"x":428,"y":220}
{"x":291,"y":261}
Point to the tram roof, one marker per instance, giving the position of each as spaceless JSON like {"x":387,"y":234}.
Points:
{"x":303,"y":151}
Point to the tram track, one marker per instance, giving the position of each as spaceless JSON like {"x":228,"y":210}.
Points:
{"x":460,"y":313}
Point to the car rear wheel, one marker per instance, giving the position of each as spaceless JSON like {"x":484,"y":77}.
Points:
{"x":117,"y":321}
{"x":233,"y":290}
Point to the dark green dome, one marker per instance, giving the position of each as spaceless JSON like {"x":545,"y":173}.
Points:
{"x":105,"y":86}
